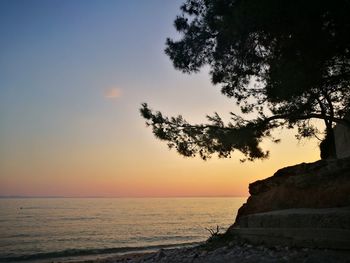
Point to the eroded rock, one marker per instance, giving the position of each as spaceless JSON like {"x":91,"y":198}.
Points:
{"x":322,"y":184}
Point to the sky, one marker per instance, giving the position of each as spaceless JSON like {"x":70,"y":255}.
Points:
{"x":73,"y":75}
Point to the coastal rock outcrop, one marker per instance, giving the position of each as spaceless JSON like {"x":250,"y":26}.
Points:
{"x":322,"y":184}
{"x":342,"y":139}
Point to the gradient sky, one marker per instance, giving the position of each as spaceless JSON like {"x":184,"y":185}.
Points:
{"x":72,"y":77}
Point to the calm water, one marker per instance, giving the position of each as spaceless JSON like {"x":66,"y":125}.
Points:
{"x":58,"y":229}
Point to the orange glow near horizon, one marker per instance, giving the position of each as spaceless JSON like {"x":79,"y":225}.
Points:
{"x":154,"y":171}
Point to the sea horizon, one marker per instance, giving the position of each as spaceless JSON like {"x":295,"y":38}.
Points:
{"x":176,"y":196}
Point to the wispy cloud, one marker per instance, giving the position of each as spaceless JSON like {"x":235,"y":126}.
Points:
{"x":112,"y":93}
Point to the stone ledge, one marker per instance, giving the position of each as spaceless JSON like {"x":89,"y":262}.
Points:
{"x":299,"y":218}
{"x":326,"y":238}
{"x":313,"y":228}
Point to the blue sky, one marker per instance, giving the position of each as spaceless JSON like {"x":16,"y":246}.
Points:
{"x":58,"y":58}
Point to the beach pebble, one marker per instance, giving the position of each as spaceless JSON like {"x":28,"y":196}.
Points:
{"x":244,"y":253}
{"x":160,"y":254}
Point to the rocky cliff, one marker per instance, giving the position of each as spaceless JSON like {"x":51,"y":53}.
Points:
{"x":322,"y":184}
{"x":342,"y":139}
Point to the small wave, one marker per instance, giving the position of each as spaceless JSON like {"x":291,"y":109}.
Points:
{"x":45,"y":208}
{"x":78,"y":218}
{"x":90,"y":252}
{"x":20,"y":235}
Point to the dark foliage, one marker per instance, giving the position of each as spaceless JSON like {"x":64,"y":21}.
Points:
{"x":286,"y":61}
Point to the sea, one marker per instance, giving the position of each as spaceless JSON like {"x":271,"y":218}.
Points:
{"x":71,"y":229}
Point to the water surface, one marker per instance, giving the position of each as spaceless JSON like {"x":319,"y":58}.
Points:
{"x":33,"y":229}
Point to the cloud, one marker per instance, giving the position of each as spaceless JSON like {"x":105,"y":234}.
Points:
{"x":112,"y":93}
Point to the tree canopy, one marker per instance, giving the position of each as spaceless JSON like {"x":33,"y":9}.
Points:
{"x":287,"y":62}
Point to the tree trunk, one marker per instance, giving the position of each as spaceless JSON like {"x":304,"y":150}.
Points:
{"x":332,"y":146}
{"x":327,"y":146}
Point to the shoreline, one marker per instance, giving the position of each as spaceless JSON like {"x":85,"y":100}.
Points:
{"x":219,"y":248}
{"x":234,"y":251}
{"x":94,"y":255}
{"x":131,"y":256}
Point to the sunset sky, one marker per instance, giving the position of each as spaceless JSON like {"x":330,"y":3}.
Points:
{"x":73,"y":75}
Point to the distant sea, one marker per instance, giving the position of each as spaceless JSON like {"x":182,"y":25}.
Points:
{"x":65,"y":229}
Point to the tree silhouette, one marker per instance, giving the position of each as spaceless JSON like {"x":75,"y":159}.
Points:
{"x":288,"y":62}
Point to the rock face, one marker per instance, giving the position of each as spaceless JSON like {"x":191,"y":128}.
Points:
{"x":342,"y":139}
{"x":322,"y":184}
